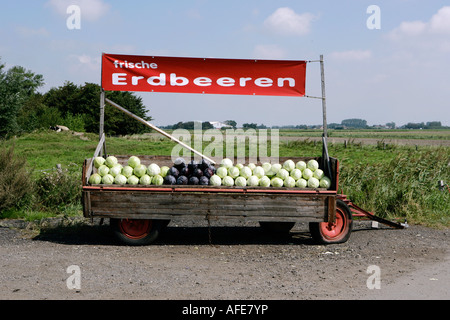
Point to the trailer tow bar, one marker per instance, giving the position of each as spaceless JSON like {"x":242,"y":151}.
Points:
{"x":359,"y":212}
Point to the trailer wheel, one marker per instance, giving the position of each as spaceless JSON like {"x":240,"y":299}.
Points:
{"x":276,"y":227}
{"x":136,"y":232}
{"x":337,"y":232}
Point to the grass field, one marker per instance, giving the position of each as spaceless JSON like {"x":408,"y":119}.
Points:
{"x":394,"y":181}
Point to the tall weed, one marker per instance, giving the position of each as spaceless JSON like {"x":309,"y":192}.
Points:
{"x":406,"y":186}
{"x":58,"y":188}
{"x":16,"y":184}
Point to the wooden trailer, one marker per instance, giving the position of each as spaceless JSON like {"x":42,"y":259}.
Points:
{"x":138,"y":212}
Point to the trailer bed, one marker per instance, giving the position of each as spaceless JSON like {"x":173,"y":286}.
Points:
{"x":171,"y":201}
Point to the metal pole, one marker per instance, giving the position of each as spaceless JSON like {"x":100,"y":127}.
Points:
{"x":325,"y":156}
{"x":102,"y":120}
{"x":102,"y":113}
{"x":324,"y":103}
{"x":148,"y":124}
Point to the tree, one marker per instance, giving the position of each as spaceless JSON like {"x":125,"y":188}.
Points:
{"x":412,"y":125}
{"x":16,"y":86}
{"x":249,"y":126}
{"x":433,"y":125}
{"x":390,"y":125}
{"x":84,"y":102}
{"x":191,"y":125}
{"x":231,"y":123}
{"x":354,"y":123}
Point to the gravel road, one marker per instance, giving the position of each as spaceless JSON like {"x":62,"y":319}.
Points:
{"x":241,"y":262}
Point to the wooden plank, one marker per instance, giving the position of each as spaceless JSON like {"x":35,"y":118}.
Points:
{"x":331,"y":209}
{"x":221,"y":205}
{"x":89,"y":170}
{"x":309,"y":211}
{"x":86,"y":203}
{"x":182,"y":201}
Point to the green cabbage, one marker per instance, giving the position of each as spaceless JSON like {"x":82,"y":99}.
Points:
{"x":228,"y":181}
{"x":111,"y":161}
{"x":289,"y":165}
{"x":301,"y":183}
{"x":289,"y":182}
{"x":133,"y":161}
{"x":95,"y":179}
{"x":164,"y":170}
{"x":140,"y":170}
{"x":240,"y":181}
{"x":216,"y":180}
{"x":157,"y":180}
{"x":313,"y":182}
{"x":120,"y":179}
{"x":301,"y":165}
{"x":253,"y":181}
{"x":246,"y":172}
{"x":127,"y":171}
{"x":233,"y":172}
{"x":98,"y":161}
{"x":103,"y":170}
{"x":133,"y":180}
{"x":296,"y":174}
{"x":153,"y":169}
{"x":264,"y":181}
{"x":325,"y":182}
{"x":276,"y":182}
{"x":107,"y":179}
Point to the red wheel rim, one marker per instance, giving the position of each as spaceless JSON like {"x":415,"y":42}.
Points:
{"x":333,"y":231}
{"x":135,"y":228}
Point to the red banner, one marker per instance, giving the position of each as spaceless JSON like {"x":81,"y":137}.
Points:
{"x":203,"y":75}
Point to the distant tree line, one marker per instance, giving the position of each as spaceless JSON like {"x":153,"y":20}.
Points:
{"x":23,"y":109}
{"x":422,"y":125}
{"x":191,"y":125}
{"x":353,"y":123}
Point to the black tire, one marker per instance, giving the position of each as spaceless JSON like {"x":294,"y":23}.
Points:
{"x":137,"y":232}
{"x":277,"y":227}
{"x":339,"y":232}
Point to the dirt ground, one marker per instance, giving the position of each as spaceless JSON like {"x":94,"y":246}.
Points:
{"x":240,"y":262}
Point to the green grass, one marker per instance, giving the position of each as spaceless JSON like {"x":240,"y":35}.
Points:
{"x":394,"y":182}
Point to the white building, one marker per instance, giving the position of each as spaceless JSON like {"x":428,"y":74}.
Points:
{"x":219,"y":125}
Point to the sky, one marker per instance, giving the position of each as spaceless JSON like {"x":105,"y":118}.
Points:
{"x":391,"y":64}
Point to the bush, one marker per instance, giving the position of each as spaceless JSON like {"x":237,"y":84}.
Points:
{"x":74,"y":122}
{"x":16,"y":184}
{"x":58,"y":188}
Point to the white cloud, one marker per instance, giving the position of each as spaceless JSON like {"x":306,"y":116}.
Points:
{"x":438,"y":24}
{"x":353,"y":55}
{"x":413,"y":28}
{"x":285,"y":21}
{"x":269,"y":52}
{"x":91,"y":10}
{"x":84,"y":62}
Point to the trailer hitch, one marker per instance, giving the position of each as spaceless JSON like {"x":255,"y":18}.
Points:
{"x":359,"y":212}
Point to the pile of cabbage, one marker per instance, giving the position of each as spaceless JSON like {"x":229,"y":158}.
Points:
{"x":289,"y":174}
{"x":109,"y":171}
